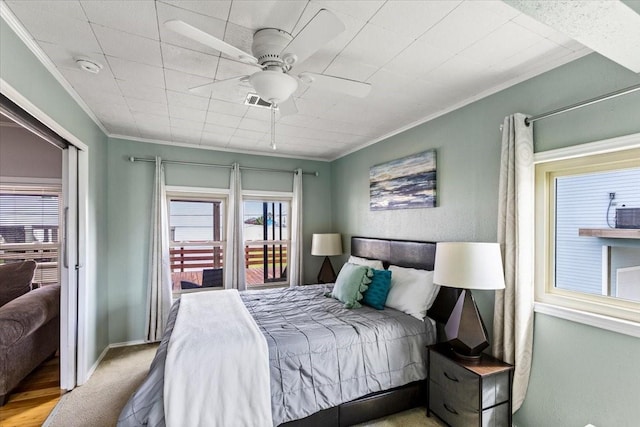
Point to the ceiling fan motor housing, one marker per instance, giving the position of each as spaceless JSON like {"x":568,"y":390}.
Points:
{"x":267,"y":45}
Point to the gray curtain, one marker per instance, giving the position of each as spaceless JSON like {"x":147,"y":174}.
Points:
{"x":234,"y":268}
{"x":513,"y":312}
{"x":159,"y":298}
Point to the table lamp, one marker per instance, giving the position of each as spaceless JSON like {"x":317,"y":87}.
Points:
{"x":468,"y":265}
{"x":329,"y":244}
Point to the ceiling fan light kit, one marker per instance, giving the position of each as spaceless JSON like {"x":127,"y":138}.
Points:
{"x":277,"y":53}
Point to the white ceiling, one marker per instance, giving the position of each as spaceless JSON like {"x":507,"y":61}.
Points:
{"x":423,"y":58}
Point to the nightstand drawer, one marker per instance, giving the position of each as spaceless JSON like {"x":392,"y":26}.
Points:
{"x":455,"y":380}
{"x":464,"y":385}
{"x":455,"y":413}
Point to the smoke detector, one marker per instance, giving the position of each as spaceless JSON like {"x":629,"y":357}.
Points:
{"x":88,"y":65}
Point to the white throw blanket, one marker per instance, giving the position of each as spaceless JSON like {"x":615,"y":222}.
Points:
{"x":217,"y":369}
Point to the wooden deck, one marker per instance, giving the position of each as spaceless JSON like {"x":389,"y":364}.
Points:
{"x":254,"y":276}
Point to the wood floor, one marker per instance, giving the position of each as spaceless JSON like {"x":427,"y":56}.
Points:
{"x":34,"y":398}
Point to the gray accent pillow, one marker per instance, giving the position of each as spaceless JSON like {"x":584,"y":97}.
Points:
{"x":15,"y":280}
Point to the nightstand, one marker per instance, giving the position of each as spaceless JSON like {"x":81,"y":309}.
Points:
{"x":467,"y":393}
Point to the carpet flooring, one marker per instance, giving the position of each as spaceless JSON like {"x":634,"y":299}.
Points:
{"x":98,"y":402}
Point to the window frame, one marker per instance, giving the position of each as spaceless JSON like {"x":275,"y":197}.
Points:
{"x":596,"y":310}
{"x":271,"y":196}
{"x":199,"y":194}
{"x":42,"y":186}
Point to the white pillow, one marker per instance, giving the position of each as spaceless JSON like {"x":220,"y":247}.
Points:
{"x":412,"y":291}
{"x":372,"y":263}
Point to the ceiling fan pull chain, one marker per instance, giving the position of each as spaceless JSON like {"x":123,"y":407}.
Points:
{"x":273,"y":125}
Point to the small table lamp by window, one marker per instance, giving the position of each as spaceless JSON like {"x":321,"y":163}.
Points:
{"x":326,"y":245}
{"x":468,"y":266}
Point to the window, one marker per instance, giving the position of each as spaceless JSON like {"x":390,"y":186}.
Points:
{"x":196,"y":233}
{"x":267,"y":238}
{"x":588,"y":234}
{"x":29,"y":228}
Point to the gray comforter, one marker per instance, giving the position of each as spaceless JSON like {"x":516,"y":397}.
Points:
{"x":320,"y":354}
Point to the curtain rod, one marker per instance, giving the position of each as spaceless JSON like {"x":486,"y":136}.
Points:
{"x":214,"y":165}
{"x":630,"y":89}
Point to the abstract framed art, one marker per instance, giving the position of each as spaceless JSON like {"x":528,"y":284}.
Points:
{"x":406,"y":183}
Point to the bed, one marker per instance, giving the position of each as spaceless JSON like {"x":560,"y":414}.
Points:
{"x":389,"y":377}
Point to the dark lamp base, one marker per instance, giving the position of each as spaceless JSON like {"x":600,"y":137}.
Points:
{"x":476,"y":358}
{"x":465,"y":329}
{"x":326,"y":273}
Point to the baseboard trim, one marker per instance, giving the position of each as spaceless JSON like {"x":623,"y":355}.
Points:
{"x":104,"y":353}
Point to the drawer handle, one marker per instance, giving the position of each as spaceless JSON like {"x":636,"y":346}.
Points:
{"x":453,"y":411}
{"x":454,"y":379}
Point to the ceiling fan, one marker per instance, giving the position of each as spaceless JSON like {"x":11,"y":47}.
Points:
{"x":276,"y":54}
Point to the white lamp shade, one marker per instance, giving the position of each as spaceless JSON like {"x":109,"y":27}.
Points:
{"x":469,"y":265}
{"x":328,"y":244}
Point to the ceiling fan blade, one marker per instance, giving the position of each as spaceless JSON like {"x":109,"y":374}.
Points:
{"x":288,"y":107}
{"x":206,"y":89}
{"x":337,"y":84}
{"x":322,"y":28}
{"x":207,"y":39}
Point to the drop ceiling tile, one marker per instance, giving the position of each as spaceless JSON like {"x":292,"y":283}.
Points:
{"x":223,"y":120}
{"x":86,"y":83}
{"x":210,"y":25}
{"x":136,"y":72}
{"x":461,"y":28}
{"x":218,"y":130}
{"x":178,"y":112}
{"x":64,"y":57}
{"x":178,"y":99}
{"x":189,"y":61}
{"x":132,"y":89}
{"x":259,"y":14}
{"x":361,"y":9}
{"x":532,"y":25}
{"x":179,"y":81}
{"x":128,"y":46}
{"x":504,"y":42}
{"x":185,"y":136}
{"x":417,"y":59}
{"x":525,"y":59}
{"x":375,"y":45}
{"x":412,"y":18}
{"x":349,"y":68}
{"x":261,"y":126}
{"x":121,"y":129}
{"x":237,"y":142}
{"x":257,"y":113}
{"x":96,"y":100}
{"x":147,"y":107}
{"x":313,"y":107}
{"x":74,"y":34}
{"x":214,"y":140}
{"x":248,"y":134}
{"x":231,"y":108}
{"x":459,"y":73}
{"x":66,"y":9}
{"x":134,"y":17}
{"x":217,"y":9}
{"x":156,"y":134}
{"x":147,"y":120}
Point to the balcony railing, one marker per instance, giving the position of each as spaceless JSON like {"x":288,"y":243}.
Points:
{"x":266,"y":262}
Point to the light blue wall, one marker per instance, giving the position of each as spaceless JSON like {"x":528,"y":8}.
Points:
{"x":129,"y":205}
{"x":22,"y":70}
{"x":468,"y":143}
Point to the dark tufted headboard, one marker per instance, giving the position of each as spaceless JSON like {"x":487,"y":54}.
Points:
{"x":411,"y":254}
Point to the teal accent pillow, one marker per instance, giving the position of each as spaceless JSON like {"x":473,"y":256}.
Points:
{"x":352,"y":281}
{"x":376,"y":294}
